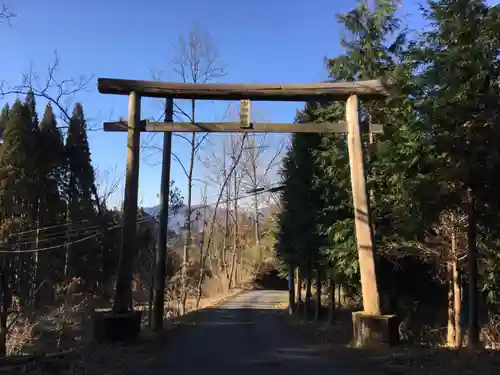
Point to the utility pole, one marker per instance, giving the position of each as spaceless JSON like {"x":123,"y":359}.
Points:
{"x":161,"y":249}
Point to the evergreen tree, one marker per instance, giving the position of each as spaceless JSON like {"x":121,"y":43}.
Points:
{"x":30,"y":104}
{"x":51,"y":160}
{"x":16,"y":168}
{"x":399,"y":161}
{"x":4,"y":116}
{"x":80,"y":182}
{"x":460,"y":56}
{"x":18,"y":189}
{"x":298,"y":240}
{"x":78,"y":158}
{"x":51,"y":205}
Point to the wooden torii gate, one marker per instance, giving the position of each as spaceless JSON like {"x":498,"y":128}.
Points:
{"x":349,"y":91}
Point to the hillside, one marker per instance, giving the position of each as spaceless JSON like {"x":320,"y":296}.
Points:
{"x":177,"y":220}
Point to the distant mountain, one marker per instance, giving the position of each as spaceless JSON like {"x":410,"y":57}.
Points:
{"x":178,"y":219}
{"x":175,"y":219}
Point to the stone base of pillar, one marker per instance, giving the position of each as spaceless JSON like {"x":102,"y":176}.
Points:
{"x":374,"y":330}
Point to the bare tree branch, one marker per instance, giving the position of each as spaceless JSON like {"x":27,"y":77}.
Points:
{"x":182,"y":136}
{"x":275,"y":159}
{"x":57,"y":92}
{"x":198,"y":59}
{"x":108,"y":182}
{"x":181,"y":164}
{"x":6,"y":15}
{"x":236,"y":161}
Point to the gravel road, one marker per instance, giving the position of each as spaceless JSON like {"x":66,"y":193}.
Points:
{"x":241,"y":337}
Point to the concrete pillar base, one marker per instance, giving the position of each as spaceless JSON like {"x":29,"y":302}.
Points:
{"x":374,"y":330}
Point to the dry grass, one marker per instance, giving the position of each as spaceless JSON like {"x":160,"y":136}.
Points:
{"x":94,"y":359}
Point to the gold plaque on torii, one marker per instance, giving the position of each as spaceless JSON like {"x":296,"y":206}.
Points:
{"x":245,"y":112}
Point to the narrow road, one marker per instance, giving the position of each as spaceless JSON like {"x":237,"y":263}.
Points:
{"x":241,"y":337}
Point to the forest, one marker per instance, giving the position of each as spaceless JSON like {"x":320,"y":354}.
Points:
{"x":432,"y":176}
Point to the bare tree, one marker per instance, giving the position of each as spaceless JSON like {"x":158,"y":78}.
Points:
{"x":107,"y":184}
{"x":197,"y":61}
{"x":209,"y":239}
{"x":59,"y":92}
{"x":229,"y":175}
{"x":260,"y":163}
{"x":237,"y":143}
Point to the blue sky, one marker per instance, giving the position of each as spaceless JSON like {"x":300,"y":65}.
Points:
{"x":259,"y":41}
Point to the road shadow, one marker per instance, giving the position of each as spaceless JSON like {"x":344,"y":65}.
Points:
{"x":405,"y":358}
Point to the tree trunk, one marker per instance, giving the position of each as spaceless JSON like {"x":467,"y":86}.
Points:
{"x":6,"y":302}
{"x":226,"y":223}
{"x":236,"y":273}
{"x":233,"y":275}
{"x":188,"y":239}
{"x":257,"y":228}
{"x":299,"y":285}
{"x":450,"y":340}
{"x":240,"y":273}
{"x":457,"y":304}
{"x":291,"y":290}
{"x":256,"y":201}
{"x":307,"y":304}
{"x":150,"y":302}
{"x":454,"y":337}
{"x":37,"y":280}
{"x":331,"y":302}
{"x":201,"y":270}
{"x":184,"y":277}
{"x":473,"y":333}
{"x":339,"y":294}
{"x":202,"y":278}
{"x":68,"y":272}
{"x":317,"y":310}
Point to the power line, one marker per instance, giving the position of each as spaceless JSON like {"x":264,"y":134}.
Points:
{"x":10,"y":251}
{"x":139,"y":221}
{"x":41,"y":229}
{"x":56,"y":236}
{"x":46,"y":228}
{"x":250,"y":193}
{"x":71,"y":231}
{"x":13,"y":252}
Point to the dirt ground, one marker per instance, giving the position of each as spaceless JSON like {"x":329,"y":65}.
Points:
{"x":403,"y":359}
